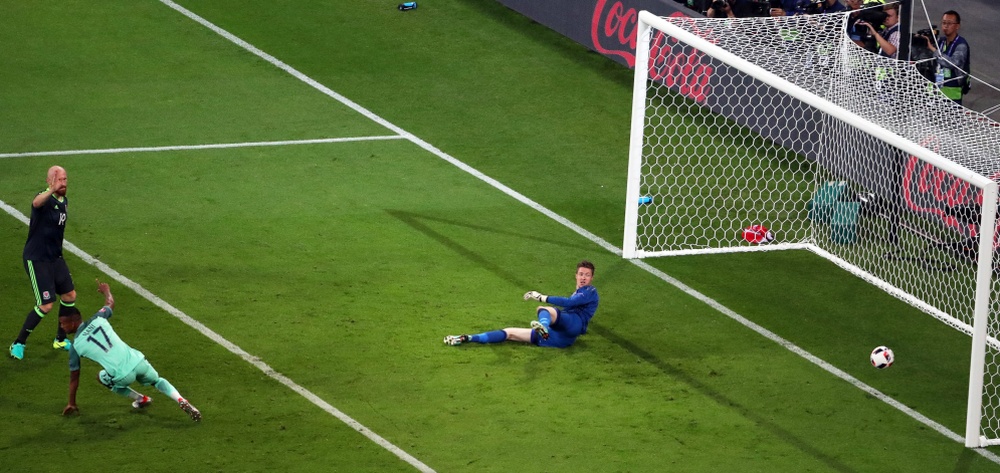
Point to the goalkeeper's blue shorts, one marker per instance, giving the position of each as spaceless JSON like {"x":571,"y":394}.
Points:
{"x":562,"y":333}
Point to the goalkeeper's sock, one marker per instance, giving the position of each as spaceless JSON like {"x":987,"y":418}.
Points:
{"x":545,"y":318}
{"x":496,"y":336}
{"x":30,"y":322}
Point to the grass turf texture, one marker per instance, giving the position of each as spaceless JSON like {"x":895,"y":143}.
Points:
{"x":343,"y":265}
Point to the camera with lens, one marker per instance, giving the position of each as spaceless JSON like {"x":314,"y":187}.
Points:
{"x":926,"y":35}
{"x":700,"y":6}
{"x":920,"y":51}
{"x":759,"y":8}
{"x":872,"y":14}
{"x":811,"y":7}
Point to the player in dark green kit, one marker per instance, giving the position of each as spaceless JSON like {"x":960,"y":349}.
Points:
{"x":44,"y":263}
{"x":123,"y":365}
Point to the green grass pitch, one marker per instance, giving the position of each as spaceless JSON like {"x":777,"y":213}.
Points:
{"x":341,"y":265}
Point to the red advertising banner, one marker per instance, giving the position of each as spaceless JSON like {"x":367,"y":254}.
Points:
{"x":609,"y":28}
{"x":605,"y":26}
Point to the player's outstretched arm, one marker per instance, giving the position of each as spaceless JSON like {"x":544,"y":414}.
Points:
{"x":74,"y":383}
{"x":105,"y":289}
{"x":578,"y":298}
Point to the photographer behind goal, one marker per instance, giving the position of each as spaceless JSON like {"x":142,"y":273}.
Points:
{"x":733,"y":8}
{"x":805,"y":7}
{"x":888,"y":39}
{"x":952,"y":54}
{"x":866,"y":19}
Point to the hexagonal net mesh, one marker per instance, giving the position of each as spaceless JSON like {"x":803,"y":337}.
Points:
{"x":761,"y":134}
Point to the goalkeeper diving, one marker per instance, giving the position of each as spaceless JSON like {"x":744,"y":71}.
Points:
{"x":558,"y":325}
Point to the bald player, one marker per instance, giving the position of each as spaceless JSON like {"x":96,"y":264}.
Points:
{"x":44,"y":263}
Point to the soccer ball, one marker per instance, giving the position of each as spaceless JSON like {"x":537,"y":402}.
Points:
{"x":882,"y":357}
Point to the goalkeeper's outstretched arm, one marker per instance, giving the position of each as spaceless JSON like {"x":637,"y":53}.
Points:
{"x":536,"y":296}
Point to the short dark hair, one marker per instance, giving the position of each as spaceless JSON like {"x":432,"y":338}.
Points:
{"x":958,"y":18}
{"x":586,"y":264}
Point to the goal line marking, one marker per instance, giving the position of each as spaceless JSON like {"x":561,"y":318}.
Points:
{"x":579,"y":230}
{"x":506,"y":190}
{"x":249,"y":144}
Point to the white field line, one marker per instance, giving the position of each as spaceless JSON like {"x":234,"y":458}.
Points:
{"x":586,"y":234}
{"x":506,"y":190}
{"x":197,"y":147}
{"x":253,"y":360}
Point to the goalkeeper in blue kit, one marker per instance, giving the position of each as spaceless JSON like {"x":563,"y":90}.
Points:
{"x":555,"y":327}
{"x":123,"y":365}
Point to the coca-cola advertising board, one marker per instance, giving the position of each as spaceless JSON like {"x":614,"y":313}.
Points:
{"x":605,"y":26}
{"x":609,"y":27}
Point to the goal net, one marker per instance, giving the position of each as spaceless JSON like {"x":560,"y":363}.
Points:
{"x":746,"y":126}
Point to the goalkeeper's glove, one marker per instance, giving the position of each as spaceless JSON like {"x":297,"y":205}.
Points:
{"x":535,"y":295}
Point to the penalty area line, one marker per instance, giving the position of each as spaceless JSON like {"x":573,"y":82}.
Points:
{"x":232,"y":347}
{"x":579,"y":230}
{"x":583,"y":232}
{"x":249,"y":144}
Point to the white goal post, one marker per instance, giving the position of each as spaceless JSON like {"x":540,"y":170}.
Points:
{"x":785,"y":123}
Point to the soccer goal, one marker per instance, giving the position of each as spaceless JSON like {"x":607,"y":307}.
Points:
{"x":785,"y":123}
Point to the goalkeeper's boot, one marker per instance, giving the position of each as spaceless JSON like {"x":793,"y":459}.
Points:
{"x":142,"y":403}
{"x":17,"y":351}
{"x":189,"y":409}
{"x":455,"y":340}
{"x":63,"y":345}
{"x":540,"y":329}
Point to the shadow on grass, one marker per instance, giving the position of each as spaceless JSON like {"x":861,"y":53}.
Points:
{"x":964,"y":462}
{"x":720,"y":398}
{"x":417,"y":222}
